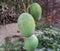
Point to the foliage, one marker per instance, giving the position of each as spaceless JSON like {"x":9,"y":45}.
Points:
{"x":49,"y":40}
{"x":42,"y":27}
{"x":20,"y":4}
{"x":11,"y":10}
{"x":14,"y":46}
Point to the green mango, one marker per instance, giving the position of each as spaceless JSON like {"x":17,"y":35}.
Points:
{"x":26,"y":24}
{"x":35,"y":10}
{"x":31,"y":43}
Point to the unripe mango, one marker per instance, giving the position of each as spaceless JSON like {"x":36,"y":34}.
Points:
{"x":35,"y":10}
{"x":31,"y":43}
{"x":26,"y":24}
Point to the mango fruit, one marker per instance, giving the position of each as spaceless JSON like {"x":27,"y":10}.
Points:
{"x":31,"y":43}
{"x":35,"y":10}
{"x":26,"y":24}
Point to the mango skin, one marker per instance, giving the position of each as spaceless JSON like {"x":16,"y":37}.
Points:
{"x":35,"y":10}
{"x":26,"y":24}
{"x":31,"y":43}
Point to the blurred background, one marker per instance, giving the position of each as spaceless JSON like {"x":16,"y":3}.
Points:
{"x":10,"y":10}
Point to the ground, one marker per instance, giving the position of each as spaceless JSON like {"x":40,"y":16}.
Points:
{"x":8,"y":30}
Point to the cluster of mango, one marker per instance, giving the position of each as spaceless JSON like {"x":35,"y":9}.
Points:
{"x":26,"y":25}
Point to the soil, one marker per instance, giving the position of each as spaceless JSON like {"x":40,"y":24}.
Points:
{"x":8,"y":30}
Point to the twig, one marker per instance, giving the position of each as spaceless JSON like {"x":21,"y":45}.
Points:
{"x":24,"y":6}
